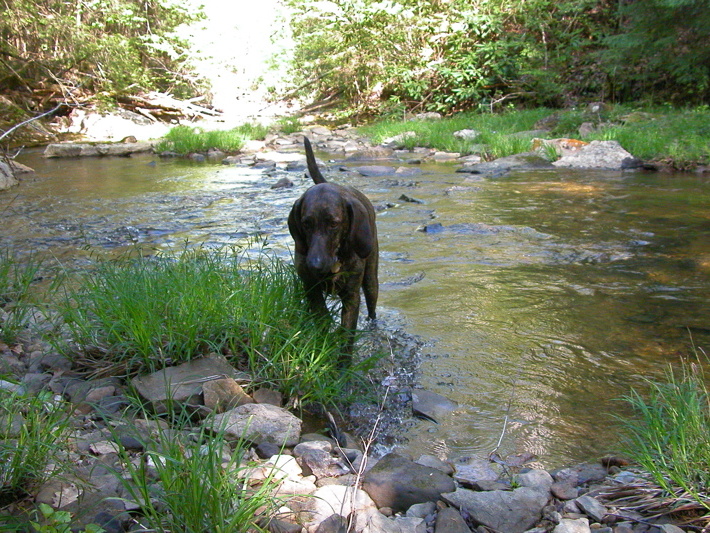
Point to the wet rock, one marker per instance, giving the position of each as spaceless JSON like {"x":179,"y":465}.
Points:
{"x":604,"y":155}
{"x":283,"y":183}
{"x":449,"y":520}
{"x":374,"y":170}
{"x":500,"y":167}
{"x":432,"y":406}
{"x":510,"y":511}
{"x":399,"y":483}
{"x":259,"y":423}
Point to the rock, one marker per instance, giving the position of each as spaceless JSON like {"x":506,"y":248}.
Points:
{"x":604,"y":155}
{"x":399,"y":483}
{"x":259,"y":422}
{"x":374,"y":170}
{"x":429,"y":115}
{"x":315,"y":458}
{"x":445,"y":156}
{"x":335,"y":523}
{"x":580,"y":525}
{"x":434,"y":462}
{"x":536,"y":479}
{"x":564,"y":491}
{"x":431,"y":405}
{"x":591,"y":507}
{"x":9,"y":171}
{"x":336,"y":499}
{"x":373,"y":521}
{"x":183,"y":383}
{"x":266,"y":395}
{"x":398,"y":141}
{"x":581,"y":474}
{"x":57,"y":150}
{"x":221,"y":395}
{"x":503,"y":165}
{"x":421,"y":510}
{"x":467,"y":135}
{"x":449,"y":520}
{"x":562,"y":146}
{"x":510,"y":511}
{"x":283,"y":183}
{"x":473,"y":470}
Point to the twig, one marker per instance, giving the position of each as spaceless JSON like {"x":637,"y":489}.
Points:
{"x":16,"y":126}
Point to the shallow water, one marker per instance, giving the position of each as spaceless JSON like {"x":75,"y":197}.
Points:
{"x":544,"y":296}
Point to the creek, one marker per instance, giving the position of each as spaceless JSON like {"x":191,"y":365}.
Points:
{"x":543,"y":297}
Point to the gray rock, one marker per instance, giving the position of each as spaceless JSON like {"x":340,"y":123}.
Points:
{"x":258,"y":423}
{"x":7,"y":176}
{"x":591,"y":507}
{"x":564,"y":491}
{"x":333,"y":524}
{"x":473,"y":470}
{"x":434,"y":462}
{"x":510,"y":511}
{"x":283,"y":183}
{"x":223,"y":394}
{"x":467,"y":135}
{"x":96,"y":150}
{"x":374,"y":170}
{"x":604,"y":155}
{"x":449,"y":520}
{"x":431,"y":405}
{"x":421,"y":510}
{"x":182,"y":384}
{"x":503,"y":165}
{"x":399,"y":483}
{"x":539,"y":480}
{"x":581,"y":474}
{"x":579,"y":525}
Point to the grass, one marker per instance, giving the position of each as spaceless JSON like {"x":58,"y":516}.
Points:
{"x":680,"y":137}
{"x":670,"y":438}
{"x":15,"y":295}
{"x":204,"y":485}
{"x":142,"y":313}
{"x":185,"y":140}
{"x":33,"y":430}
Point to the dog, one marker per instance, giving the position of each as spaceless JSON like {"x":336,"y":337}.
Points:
{"x":336,"y":250}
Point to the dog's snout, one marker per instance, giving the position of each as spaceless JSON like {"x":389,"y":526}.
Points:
{"x":319,"y":262}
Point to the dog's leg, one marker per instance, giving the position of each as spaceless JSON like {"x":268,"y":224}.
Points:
{"x":371,"y":286}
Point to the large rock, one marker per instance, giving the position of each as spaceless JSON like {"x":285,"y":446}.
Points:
{"x":603,"y":155}
{"x":96,"y":150}
{"x":432,"y":406}
{"x":503,"y":165}
{"x":259,"y":423}
{"x":399,"y":483}
{"x":510,"y":511}
{"x":8,"y":173}
{"x":183,"y":384}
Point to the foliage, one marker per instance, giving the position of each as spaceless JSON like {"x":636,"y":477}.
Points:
{"x":112,"y":46}
{"x":143,"y":313}
{"x":15,"y":281}
{"x":680,"y":137}
{"x":458,"y":54}
{"x":32,"y":437}
{"x":200,"y":489}
{"x":187,"y":139}
{"x":59,"y":522}
{"x":670,"y":438}
{"x":662,"y":51}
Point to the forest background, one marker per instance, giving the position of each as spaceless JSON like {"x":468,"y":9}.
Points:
{"x":364,"y":57}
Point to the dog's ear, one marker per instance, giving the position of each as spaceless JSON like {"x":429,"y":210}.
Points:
{"x":295,"y":228}
{"x":360,"y":236}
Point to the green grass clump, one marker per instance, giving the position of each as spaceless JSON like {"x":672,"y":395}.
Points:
{"x":670,"y":438}
{"x":15,"y":295}
{"x":204,"y":485}
{"x":144,"y":313}
{"x":33,"y":431}
{"x":185,"y":140}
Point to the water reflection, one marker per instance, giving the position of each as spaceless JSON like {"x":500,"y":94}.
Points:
{"x":548,"y":295}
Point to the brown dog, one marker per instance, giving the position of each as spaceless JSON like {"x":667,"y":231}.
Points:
{"x":336,"y":246}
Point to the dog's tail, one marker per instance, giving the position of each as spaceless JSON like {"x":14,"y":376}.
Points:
{"x":316,"y":176}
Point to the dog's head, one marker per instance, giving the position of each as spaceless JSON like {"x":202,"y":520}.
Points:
{"x":329,"y":223}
